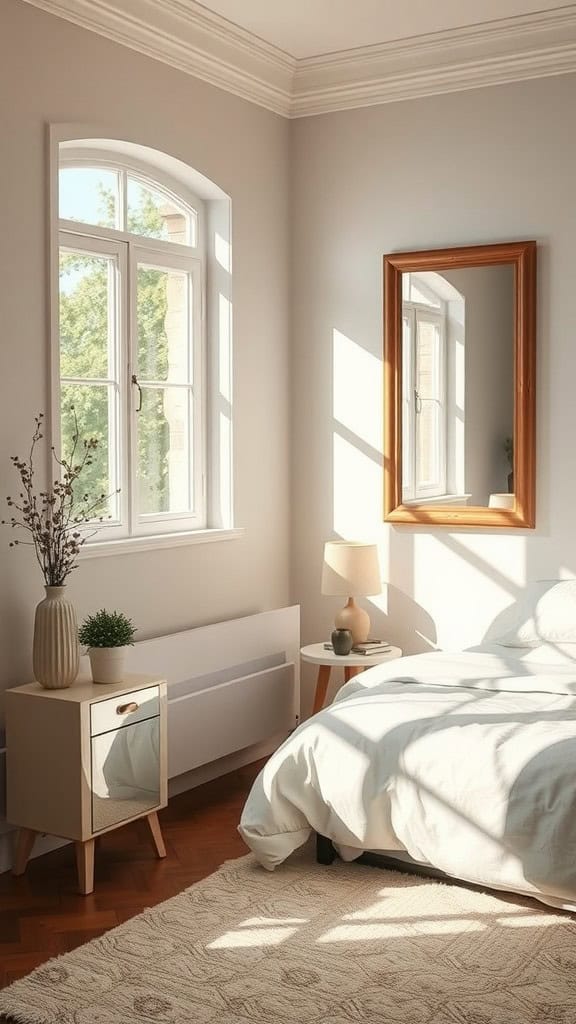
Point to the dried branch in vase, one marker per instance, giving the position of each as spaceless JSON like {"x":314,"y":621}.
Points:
{"x":55,"y":519}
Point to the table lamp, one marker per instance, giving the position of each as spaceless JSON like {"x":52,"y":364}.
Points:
{"x":351,"y":569}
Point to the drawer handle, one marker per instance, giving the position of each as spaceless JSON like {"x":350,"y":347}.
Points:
{"x":125,"y":709}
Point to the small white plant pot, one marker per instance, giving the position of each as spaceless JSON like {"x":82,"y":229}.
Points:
{"x":107,"y":664}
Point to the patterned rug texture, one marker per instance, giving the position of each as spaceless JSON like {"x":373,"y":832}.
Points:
{"x":315,"y":945}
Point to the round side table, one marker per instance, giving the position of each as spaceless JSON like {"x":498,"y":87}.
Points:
{"x":352,"y":664}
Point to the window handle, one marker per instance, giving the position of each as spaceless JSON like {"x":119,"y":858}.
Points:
{"x":417,"y":400}
{"x":135,"y":381}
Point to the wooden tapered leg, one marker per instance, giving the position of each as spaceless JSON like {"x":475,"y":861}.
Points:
{"x":24,"y":844}
{"x":352,"y":670}
{"x":156,"y":833}
{"x":321,"y":687}
{"x":85,"y":865}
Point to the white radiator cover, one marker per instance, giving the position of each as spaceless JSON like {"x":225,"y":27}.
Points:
{"x":230,"y":685}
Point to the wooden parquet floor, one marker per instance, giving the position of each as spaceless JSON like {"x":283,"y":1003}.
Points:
{"x":41,"y":915}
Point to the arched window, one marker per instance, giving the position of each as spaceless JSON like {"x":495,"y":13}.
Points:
{"x":132,"y":340}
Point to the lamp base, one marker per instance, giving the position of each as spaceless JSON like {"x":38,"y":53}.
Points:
{"x":355,"y":619}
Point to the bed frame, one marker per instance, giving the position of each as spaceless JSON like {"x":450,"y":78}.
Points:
{"x":326,"y":854}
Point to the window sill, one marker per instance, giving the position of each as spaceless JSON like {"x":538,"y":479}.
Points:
{"x":133,"y":545}
{"x":440,"y":499}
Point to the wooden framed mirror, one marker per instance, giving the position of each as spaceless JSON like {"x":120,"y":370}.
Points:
{"x":459,"y":386}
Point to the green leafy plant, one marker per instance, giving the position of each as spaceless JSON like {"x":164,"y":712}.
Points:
{"x":107,"y":629}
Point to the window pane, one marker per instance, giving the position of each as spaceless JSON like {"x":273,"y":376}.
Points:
{"x":163,"y":317}
{"x":164,"y":451}
{"x":428,"y":450}
{"x":90,"y":195}
{"x":94,"y":407}
{"x":155,"y":215}
{"x":86,"y":314}
{"x":428,"y":359}
{"x":407,"y":404}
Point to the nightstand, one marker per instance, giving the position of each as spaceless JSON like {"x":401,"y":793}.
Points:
{"x":83,"y":761}
{"x":317,"y":654}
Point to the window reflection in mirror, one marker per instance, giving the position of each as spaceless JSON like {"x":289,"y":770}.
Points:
{"x":458,"y":386}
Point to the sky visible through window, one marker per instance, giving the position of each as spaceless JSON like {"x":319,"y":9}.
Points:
{"x":88,"y":194}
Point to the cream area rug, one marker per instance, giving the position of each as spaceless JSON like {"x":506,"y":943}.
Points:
{"x":315,"y":945}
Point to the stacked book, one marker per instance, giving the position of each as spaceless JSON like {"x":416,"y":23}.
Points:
{"x":372,"y":647}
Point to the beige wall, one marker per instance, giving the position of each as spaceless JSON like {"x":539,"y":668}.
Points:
{"x":481,"y":166}
{"x":51,"y":71}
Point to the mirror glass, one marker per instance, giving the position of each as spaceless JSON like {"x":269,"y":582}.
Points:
{"x":458,"y":386}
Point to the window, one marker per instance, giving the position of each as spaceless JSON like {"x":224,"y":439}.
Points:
{"x":424,"y":391}
{"x":131,"y":356}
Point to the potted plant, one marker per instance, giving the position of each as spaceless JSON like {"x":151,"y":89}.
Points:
{"x":107,"y":635}
{"x":53,"y":521}
{"x":509,"y":453}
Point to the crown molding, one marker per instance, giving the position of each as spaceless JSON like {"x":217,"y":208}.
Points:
{"x":493,"y":53}
{"x":187,"y":36}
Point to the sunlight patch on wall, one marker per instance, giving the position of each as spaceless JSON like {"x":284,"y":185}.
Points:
{"x":357,"y":492}
{"x":224,"y":347}
{"x":357,"y":389}
{"x":222,"y":251}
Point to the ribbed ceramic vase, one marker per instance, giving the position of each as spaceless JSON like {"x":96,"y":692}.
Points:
{"x":56,"y":655}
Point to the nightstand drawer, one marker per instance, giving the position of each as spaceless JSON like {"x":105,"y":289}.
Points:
{"x":126,"y":773}
{"x":127,"y":709}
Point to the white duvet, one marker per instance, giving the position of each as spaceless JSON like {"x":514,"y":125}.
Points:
{"x":466,"y":762}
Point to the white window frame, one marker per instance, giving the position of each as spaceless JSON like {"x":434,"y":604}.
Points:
{"x":130,"y":248}
{"x":115,"y":250}
{"x":145,"y":524}
{"x":413,"y":489}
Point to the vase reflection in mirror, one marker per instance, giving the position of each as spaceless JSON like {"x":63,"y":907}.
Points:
{"x":351,"y":569}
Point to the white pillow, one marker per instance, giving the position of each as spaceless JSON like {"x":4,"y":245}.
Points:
{"x":547,"y":614}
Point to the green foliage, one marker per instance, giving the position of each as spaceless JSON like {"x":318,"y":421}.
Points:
{"x":84,"y":313}
{"x":107,"y":629}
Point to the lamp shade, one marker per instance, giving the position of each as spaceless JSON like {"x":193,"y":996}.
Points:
{"x":351,"y":569}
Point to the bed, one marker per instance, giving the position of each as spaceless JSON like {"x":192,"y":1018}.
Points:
{"x":460,"y":762}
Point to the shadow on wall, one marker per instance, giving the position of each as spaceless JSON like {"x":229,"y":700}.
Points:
{"x":414,"y":629}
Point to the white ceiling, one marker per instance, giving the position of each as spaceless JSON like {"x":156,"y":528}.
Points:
{"x":306,"y":28}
